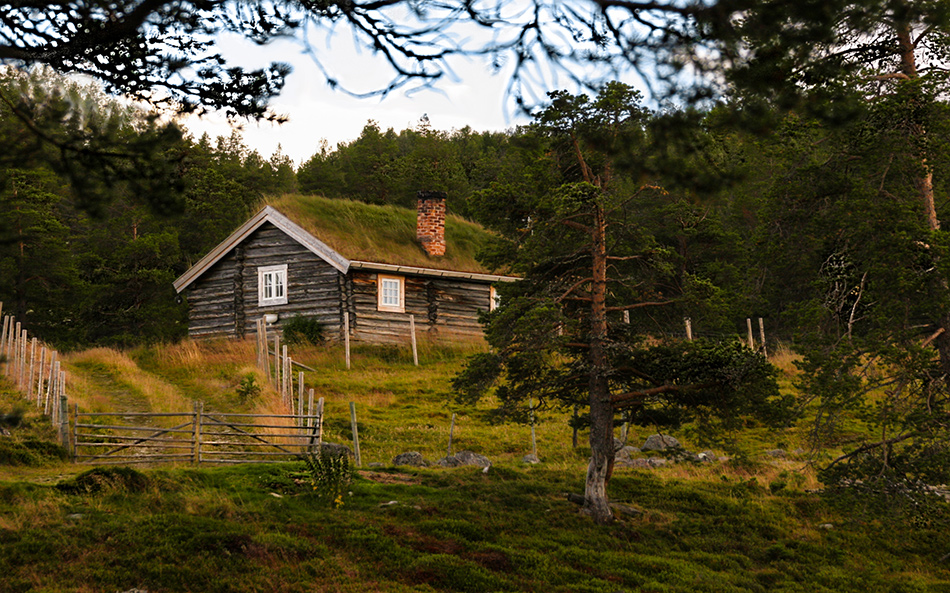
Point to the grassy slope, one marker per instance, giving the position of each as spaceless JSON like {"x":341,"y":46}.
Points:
{"x":748,"y":526}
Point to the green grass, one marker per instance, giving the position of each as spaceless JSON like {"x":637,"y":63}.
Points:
{"x":382,"y":234}
{"x":751,"y":524}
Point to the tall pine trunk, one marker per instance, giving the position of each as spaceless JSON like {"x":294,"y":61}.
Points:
{"x":601,"y":409}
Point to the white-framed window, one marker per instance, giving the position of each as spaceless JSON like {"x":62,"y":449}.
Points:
{"x":272,"y":285}
{"x":391,"y":291}
{"x":494,"y":299}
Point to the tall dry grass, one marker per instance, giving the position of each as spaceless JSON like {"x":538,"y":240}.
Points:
{"x":91,"y":370}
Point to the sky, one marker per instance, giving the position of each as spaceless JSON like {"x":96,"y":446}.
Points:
{"x":474,"y":97}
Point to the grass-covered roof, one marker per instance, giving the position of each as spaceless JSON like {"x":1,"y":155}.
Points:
{"x":382,"y":234}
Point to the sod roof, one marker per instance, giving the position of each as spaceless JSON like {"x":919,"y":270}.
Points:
{"x":382,"y":234}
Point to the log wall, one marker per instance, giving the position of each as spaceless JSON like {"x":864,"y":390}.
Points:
{"x":223,"y":301}
{"x":444,"y":310}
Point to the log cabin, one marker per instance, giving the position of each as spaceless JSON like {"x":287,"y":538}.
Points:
{"x":334,"y":260}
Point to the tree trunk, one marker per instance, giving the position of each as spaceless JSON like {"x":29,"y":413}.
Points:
{"x":601,"y":410}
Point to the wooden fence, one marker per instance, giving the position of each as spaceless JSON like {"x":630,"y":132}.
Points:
{"x":196,"y":437}
{"x":34,"y":370}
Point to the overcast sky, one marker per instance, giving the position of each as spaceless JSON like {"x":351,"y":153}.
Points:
{"x":475,"y":97}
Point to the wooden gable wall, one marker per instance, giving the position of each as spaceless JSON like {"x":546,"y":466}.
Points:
{"x":224,"y":300}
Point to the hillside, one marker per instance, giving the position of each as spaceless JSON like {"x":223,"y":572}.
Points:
{"x":752,"y":523}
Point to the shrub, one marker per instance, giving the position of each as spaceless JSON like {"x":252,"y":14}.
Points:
{"x":303,"y":331}
{"x":107,"y":479}
{"x":248,"y":388}
{"x":330,"y":473}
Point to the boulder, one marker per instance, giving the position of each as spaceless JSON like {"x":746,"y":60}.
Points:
{"x":530,"y":458}
{"x":465,"y":458}
{"x":707,"y":456}
{"x":625,"y":453}
{"x":336,"y":450}
{"x":777,"y":453}
{"x":410,"y":458}
{"x":641,"y":463}
{"x":660,"y":442}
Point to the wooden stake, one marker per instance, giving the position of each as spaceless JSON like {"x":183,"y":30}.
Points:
{"x":765,"y":352}
{"x":29,"y":381}
{"x":196,"y":443}
{"x":3,"y":336}
{"x":451,"y":430}
{"x":310,"y":421}
{"x":39,"y":381}
{"x":356,"y":435}
{"x":300,"y":392}
{"x":266,"y":352}
{"x":689,"y":328}
{"x":534,"y":440}
{"x":21,"y":375}
{"x":75,"y":429}
{"x":412,"y":330}
{"x":626,"y":317}
{"x":15,"y":346}
{"x":320,"y":422}
{"x":748,"y":322}
{"x":277,"y":362}
{"x":346,"y":337}
{"x":574,"y":428}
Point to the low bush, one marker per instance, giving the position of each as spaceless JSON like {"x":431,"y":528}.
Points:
{"x":300,"y":331}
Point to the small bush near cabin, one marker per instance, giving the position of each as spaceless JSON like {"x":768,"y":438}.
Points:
{"x":303,"y":331}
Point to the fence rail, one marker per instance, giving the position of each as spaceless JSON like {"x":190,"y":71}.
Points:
{"x":198,"y":437}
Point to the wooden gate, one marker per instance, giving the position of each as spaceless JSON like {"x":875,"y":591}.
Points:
{"x":196,"y":437}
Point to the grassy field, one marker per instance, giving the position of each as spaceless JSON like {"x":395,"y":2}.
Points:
{"x":752,"y":523}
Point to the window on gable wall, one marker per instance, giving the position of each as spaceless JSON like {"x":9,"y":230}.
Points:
{"x":391,"y":294}
{"x":272,"y":285}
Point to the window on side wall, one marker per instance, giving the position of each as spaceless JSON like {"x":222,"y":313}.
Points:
{"x":391,"y":293}
{"x":494,"y":299}
{"x":272,"y":285}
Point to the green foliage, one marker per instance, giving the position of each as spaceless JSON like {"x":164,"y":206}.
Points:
{"x":300,"y":330}
{"x":107,"y":479}
{"x":330,"y":474}
{"x":248,"y":389}
{"x":30,"y":452}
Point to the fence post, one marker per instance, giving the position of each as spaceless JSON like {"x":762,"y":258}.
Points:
{"x":300,"y":392}
{"x":534,"y":440}
{"x":689,"y":328}
{"x":277,"y":361}
{"x":21,"y":379}
{"x":451,"y":430}
{"x":412,"y":330}
{"x":64,"y":421}
{"x":748,"y":323}
{"x":29,"y":381}
{"x":574,"y":428}
{"x":75,"y":430}
{"x":346,"y":337}
{"x":320,"y":422}
{"x":196,"y":436}
{"x":765,"y":352}
{"x":286,"y":378}
{"x":3,"y":336}
{"x":310,"y":422}
{"x":356,"y":435}
{"x":39,"y":381}
{"x":15,"y":346}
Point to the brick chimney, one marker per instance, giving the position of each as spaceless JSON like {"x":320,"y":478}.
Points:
{"x":430,"y":221}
